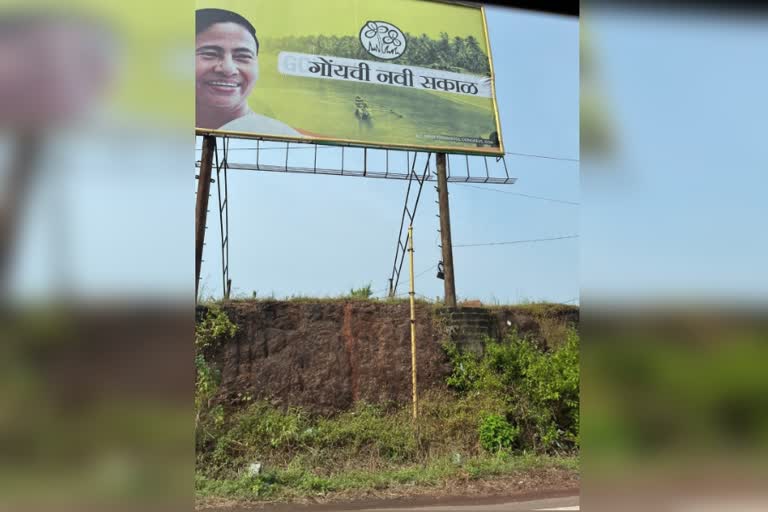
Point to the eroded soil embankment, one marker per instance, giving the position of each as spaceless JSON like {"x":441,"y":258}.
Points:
{"x":326,"y":355}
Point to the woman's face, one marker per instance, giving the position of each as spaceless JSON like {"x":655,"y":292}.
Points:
{"x":226,"y":67}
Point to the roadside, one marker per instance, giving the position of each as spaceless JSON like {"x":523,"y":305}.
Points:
{"x":565,"y":499}
{"x":503,"y":423}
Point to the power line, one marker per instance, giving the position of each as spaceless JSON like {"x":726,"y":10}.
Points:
{"x":380,"y":291}
{"x":425,"y":271}
{"x":520,"y":194}
{"x":518,"y":241}
{"x":417,"y":275}
{"x":531,"y":155}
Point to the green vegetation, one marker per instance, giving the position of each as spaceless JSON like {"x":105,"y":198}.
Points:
{"x":355,"y":294}
{"x":514,"y":409}
{"x":496,"y":433}
{"x":364,"y":292}
{"x":369,"y":447}
{"x":673,"y":391}
{"x":215,"y":327}
{"x":538,"y":387}
{"x":73,"y":434}
{"x":294,"y":482}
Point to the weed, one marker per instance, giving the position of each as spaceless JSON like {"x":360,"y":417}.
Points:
{"x":496,"y":434}
{"x":517,"y":397}
{"x":540,"y":388}
{"x":364,"y":292}
{"x":216,"y":327}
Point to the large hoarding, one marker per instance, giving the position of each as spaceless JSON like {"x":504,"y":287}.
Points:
{"x":411,"y":74}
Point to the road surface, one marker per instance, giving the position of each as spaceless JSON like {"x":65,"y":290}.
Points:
{"x":569,"y":503}
{"x":552,"y":502}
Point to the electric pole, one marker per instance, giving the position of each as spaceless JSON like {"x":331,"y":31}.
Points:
{"x":445,"y":231}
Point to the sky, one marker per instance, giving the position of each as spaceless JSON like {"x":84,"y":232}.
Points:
{"x":678,"y":213}
{"x":297,"y":235}
{"x":109,"y":218}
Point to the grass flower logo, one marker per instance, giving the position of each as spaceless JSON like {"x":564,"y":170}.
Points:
{"x":382,"y":40}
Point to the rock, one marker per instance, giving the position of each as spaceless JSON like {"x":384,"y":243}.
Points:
{"x":254,"y":469}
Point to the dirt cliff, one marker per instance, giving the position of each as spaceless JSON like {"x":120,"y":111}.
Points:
{"x":326,"y":355}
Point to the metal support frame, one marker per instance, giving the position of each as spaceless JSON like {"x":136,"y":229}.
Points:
{"x":401,"y":247}
{"x":201,"y":203}
{"x":223,"y":199}
{"x":211,"y":151}
{"x":256,"y":163}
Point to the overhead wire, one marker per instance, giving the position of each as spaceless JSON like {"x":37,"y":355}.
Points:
{"x":530,"y":196}
{"x":531,"y":155}
{"x":512,"y":242}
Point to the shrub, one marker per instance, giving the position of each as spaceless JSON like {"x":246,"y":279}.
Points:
{"x":540,"y":388}
{"x":364,"y":292}
{"x":496,"y":434}
{"x":215,"y":328}
{"x":368,"y":428}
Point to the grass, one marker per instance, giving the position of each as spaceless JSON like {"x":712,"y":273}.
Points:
{"x":540,"y":309}
{"x":510,"y":412}
{"x":371,"y":447}
{"x":297,"y":482}
{"x":536,"y":308}
{"x":306,"y":299}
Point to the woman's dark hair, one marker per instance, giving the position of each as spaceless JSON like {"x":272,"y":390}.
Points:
{"x":204,"y":18}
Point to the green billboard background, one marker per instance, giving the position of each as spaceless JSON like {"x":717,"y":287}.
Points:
{"x":439,"y":36}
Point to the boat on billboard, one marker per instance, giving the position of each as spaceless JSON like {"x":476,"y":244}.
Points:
{"x":414,"y":74}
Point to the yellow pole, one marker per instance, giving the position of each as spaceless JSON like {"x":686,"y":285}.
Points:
{"x":413,"y":325}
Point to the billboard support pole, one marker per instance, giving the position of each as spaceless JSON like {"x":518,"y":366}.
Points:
{"x":201,"y":203}
{"x":445,"y":232}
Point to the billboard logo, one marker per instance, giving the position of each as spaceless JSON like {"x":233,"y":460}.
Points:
{"x":382,"y":40}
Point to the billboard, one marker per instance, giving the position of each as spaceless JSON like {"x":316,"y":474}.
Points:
{"x":407,"y":74}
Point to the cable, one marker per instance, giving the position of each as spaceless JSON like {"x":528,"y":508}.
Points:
{"x":424,"y":272}
{"x":380,"y":291}
{"x":520,"y":194}
{"x":531,"y":155}
{"x":417,"y":275}
{"x":518,"y":241}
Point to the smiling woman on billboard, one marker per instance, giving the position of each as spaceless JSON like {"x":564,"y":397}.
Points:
{"x":226,"y":71}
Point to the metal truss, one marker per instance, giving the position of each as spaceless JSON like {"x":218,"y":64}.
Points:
{"x":467,"y":168}
{"x":465,"y":171}
{"x":402,"y":246}
{"x":223,"y":200}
